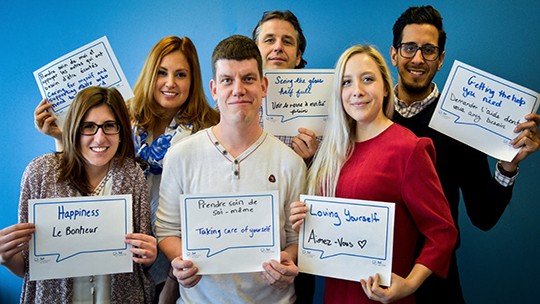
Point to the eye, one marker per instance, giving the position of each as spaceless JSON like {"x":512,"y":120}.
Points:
{"x":269,"y":40}
{"x":162,"y":73}
{"x":181,"y":74}
{"x":345,"y":82}
{"x":367,"y":79}
{"x":429,"y":49}
{"x":288,"y":41}
{"x":110,"y":127}
{"x":88,"y":128}
{"x":409,"y":47}
{"x":249,"y":79}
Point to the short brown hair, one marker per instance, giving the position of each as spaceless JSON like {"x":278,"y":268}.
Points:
{"x":236,"y":47}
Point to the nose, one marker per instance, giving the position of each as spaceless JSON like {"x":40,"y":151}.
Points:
{"x":238,"y":88}
{"x":418,"y":57}
{"x":100,"y":136}
{"x":278,"y":46}
{"x":170,"y":81}
{"x":358,"y":89}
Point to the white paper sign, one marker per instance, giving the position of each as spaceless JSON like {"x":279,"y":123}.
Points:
{"x":91,"y":65}
{"x":482,"y":110}
{"x":230,"y":233}
{"x":347,"y":239}
{"x":297,"y":99}
{"x":80,"y":236}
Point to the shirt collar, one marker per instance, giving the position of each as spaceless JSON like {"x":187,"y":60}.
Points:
{"x":417,"y":106}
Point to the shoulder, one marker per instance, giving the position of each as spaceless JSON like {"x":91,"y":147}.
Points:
{"x":43,"y":163}
{"x":404,"y":140}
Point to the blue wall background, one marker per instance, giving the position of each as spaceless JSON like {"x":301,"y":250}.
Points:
{"x":500,"y":37}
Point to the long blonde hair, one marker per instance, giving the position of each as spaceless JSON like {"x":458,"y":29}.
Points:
{"x":340,"y":132}
{"x":143,"y":108}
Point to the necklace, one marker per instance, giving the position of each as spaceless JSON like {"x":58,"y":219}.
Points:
{"x":102,"y":184}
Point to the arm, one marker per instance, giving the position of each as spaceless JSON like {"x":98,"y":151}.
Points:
{"x":45,"y":122}
{"x":425,"y":202}
{"x":485,"y":198}
{"x":281,"y":275}
{"x":168,"y":229}
{"x":399,"y":288}
{"x":144,"y":247}
{"x":13,"y":240}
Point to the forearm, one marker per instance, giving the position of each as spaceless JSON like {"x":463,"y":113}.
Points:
{"x":171,"y":246}
{"x":292,"y":251}
{"x":417,"y":276}
{"x":16,"y":265}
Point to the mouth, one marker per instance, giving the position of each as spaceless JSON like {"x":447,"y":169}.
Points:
{"x":99,"y":149}
{"x":240,"y":102}
{"x":416,"y":72}
{"x":359,"y":103}
{"x":277,"y":59}
{"x":169,"y":93}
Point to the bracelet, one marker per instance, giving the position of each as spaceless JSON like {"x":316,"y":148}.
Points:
{"x":504,"y":172}
{"x":172,"y":277}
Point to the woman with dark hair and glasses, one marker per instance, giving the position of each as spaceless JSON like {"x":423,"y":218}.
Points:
{"x":97,"y":159}
{"x":169,"y":105}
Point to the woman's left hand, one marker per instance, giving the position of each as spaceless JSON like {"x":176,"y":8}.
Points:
{"x":144,"y":248}
{"x":398,"y":289}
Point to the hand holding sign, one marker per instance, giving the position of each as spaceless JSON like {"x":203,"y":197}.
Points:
{"x":91,"y":65}
{"x":482,"y":110}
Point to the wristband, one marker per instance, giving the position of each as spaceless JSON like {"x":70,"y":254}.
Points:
{"x":504,"y":172}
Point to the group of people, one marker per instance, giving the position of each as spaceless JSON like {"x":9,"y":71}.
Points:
{"x":169,"y":141}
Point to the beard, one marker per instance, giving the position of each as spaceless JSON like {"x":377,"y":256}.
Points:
{"x":414,"y":88}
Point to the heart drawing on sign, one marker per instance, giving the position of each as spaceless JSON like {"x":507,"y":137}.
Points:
{"x":362,"y":243}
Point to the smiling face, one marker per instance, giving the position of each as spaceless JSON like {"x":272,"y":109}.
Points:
{"x":238,"y":90}
{"x":362,"y":90}
{"x":416,"y":74}
{"x":98,"y":150}
{"x":278,"y":45}
{"x":173,"y":82}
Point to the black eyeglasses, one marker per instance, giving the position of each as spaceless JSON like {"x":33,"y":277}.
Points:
{"x":408,"y":50}
{"x":90,"y":128}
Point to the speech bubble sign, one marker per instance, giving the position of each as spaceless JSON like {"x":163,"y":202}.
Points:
{"x":297,"y":98}
{"x":91,"y":65}
{"x":73,"y":230}
{"x":214,"y":228}
{"x":347,"y":239}
{"x":482,"y":110}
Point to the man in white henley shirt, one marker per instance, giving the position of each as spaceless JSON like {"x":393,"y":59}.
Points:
{"x":236,"y":155}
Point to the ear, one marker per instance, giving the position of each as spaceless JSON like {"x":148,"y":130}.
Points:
{"x":213,"y":89}
{"x":298,"y":58}
{"x":393,"y":55}
{"x":264,"y":85}
{"x":441,"y":59}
